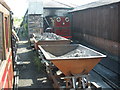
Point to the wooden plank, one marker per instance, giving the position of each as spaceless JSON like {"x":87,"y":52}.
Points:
{"x":1,"y":36}
{"x":99,"y":22}
{"x":4,"y":4}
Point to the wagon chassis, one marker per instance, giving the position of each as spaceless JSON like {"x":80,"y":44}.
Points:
{"x":60,"y":81}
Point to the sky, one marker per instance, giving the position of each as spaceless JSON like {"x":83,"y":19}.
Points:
{"x":19,"y":7}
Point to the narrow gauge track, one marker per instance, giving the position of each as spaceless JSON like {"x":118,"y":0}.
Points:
{"x":109,"y":74}
{"x":105,"y":72}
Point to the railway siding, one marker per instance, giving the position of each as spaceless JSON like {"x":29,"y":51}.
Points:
{"x":29,"y":76}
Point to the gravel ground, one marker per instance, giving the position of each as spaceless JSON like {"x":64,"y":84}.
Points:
{"x":29,"y":76}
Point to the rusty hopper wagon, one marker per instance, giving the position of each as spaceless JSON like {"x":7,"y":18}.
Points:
{"x":75,"y":61}
{"x":49,"y":39}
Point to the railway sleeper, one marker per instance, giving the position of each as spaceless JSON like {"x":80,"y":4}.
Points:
{"x":71,"y":82}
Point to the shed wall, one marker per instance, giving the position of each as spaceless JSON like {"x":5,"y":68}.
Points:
{"x":98,"y":27}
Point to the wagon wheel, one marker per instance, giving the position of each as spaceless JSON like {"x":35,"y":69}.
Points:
{"x":68,"y":83}
{"x":79,"y":83}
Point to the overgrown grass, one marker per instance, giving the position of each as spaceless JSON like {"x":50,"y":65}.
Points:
{"x":25,"y":32}
{"x":38,"y":63}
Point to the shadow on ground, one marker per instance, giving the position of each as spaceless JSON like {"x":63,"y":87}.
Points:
{"x":29,"y":76}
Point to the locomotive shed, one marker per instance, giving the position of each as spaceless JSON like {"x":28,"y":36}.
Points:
{"x":61,"y":46}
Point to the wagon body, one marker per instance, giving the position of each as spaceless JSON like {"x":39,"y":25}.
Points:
{"x":72,"y":59}
{"x":50,"y":39}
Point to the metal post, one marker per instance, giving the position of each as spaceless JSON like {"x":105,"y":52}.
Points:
{"x":83,"y":83}
{"x":74,"y":82}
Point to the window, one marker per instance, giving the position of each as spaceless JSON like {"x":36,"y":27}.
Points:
{"x":6,"y":32}
{"x":1,"y":36}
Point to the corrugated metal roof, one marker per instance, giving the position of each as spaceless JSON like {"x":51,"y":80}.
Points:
{"x":94,"y":4}
{"x":35,"y":8}
{"x":55,"y":4}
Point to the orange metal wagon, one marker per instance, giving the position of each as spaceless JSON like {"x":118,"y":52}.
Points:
{"x":73,"y":58}
{"x":50,"y":39}
{"x":75,"y":61}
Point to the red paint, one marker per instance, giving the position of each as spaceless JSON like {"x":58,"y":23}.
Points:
{"x":63,"y":32}
{"x":8,"y":73}
{"x":67,"y":37}
{"x":4,"y":74}
{"x":10,"y":57}
{"x":6,"y":83}
{"x":58,"y":31}
{"x":62,"y":26}
{"x":62,"y":23}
